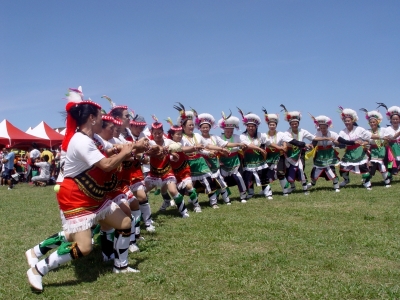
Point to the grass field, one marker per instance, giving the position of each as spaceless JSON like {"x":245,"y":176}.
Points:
{"x":322,"y":246}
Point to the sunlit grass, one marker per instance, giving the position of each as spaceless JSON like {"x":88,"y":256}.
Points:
{"x":325,"y":245}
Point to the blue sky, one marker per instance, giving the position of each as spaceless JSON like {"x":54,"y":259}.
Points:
{"x":211,"y":55}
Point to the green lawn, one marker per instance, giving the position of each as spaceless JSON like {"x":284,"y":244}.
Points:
{"x":325,"y":245}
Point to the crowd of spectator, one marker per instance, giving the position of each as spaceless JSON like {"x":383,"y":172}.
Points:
{"x":37,"y":166}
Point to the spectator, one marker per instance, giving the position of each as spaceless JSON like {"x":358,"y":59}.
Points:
{"x":33,"y":155}
{"x":44,"y":172}
{"x":8,"y":160}
{"x":49,"y":154}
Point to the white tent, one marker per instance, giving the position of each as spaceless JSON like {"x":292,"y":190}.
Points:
{"x":63,"y":131}
{"x":29,"y":130}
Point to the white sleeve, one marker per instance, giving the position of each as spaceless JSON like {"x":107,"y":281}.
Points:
{"x":307,"y":135}
{"x":365,"y":134}
{"x":343,"y":135}
{"x":264,"y":139}
{"x":334,"y":135}
{"x":88,"y":153}
{"x":220,"y":142}
{"x":286,"y":137}
{"x":244,"y":139}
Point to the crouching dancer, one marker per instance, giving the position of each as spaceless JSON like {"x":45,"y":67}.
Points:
{"x":82,"y":197}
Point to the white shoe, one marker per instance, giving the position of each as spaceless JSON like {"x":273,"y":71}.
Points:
{"x":369,"y":189}
{"x":197,"y":209}
{"x":35,"y":280}
{"x":270,"y":198}
{"x":185,"y":215}
{"x":243,"y":201}
{"x":306,"y":193}
{"x":388,"y":186}
{"x":32,"y":261}
{"x":215,"y":206}
{"x":172,"y":203}
{"x":228,"y":203}
{"x":150,"y":228}
{"x":125,"y":270}
{"x":337,"y":190}
{"x":285,"y":195}
{"x":133,"y":248}
{"x":139,"y":239}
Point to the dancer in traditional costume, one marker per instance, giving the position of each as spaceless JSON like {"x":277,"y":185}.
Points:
{"x":83,"y":195}
{"x":204,"y":122}
{"x":255,"y":167}
{"x":355,"y":158}
{"x":377,"y":148}
{"x":198,"y":166}
{"x":275,"y":155}
{"x":230,"y":164}
{"x":295,"y":162}
{"x":325,"y":157}
{"x":393,"y":149}
{"x":133,"y":174}
{"x":161,"y":174}
{"x":181,"y":170}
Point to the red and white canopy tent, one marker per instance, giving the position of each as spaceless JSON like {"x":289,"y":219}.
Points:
{"x":11,"y":135}
{"x":44,"y":131}
{"x":63,"y":131}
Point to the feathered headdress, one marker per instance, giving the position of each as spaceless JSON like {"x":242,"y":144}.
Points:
{"x":74,"y":98}
{"x":393,"y":110}
{"x":113,"y":105}
{"x":270,"y":117}
{"x":156,"y":124}
{"x":321,"y":120}
{"x":138,"y":120}
{"x":172,"y":125}
{"x":291,"y":116}
{"x":183,"y":114}
{"x":228,"y":121}
{"x":204,"y":118}
{"x":373,"y":114}
{"x":249,"y":118}
{"x":348,"y":113}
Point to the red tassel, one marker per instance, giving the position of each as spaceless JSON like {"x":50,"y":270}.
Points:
{"x":71,"y":127}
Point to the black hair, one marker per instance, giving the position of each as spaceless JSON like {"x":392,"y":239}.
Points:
{"x":106,"y":123}
{"x":355,"y":124}
{"x":184,"y":123}
{"x":117,"y":112}
{"x":255,"y":134}
{"x":46,"y":157}
{"x":171,"y":131}
{"x":81,"y":112}
{"x":394,"y":115}
{"x":156,"y":123}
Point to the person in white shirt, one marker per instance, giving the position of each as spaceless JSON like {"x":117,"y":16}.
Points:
{"x":393,"y":150}
{"x":199,"y":168}
{"x":377,"y":147}
{"x":276,"y":154}
{"x":133,"y":173}
{"x":325,"y":157}
{"x":355,"y":158}
{"x":295,"y":155}
{"x":161,"y":174}
{"x":83,"y":196}
{"x":204,"y":122}
{"x":255,"y":167}
{"x":230,"y":164}
{"x":44,"y":172}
